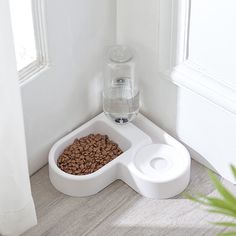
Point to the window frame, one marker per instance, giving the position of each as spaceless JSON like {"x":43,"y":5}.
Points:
{"x":42,"y":61}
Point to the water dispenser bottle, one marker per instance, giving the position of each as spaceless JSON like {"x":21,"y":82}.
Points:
{"x":120,"y":94}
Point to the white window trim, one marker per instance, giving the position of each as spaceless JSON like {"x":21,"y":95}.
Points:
{"x":42,"y":61}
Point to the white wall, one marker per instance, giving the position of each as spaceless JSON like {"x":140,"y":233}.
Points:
{"x":68,"y":93}
{"x":192,"y":106}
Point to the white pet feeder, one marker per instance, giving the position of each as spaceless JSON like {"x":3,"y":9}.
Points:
{"x":153,"y":163}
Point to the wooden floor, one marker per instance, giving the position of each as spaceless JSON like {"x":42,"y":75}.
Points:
{"x":118,"y":210}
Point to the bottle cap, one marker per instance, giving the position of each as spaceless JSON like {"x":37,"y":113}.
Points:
{"x":120,"y":54}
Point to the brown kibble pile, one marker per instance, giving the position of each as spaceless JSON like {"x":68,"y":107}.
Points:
{"x":88,"y":154}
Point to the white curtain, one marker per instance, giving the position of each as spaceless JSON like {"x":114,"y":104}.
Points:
{"x":17,"y":212}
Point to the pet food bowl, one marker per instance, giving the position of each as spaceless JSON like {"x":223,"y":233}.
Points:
{"x":152,"y":163}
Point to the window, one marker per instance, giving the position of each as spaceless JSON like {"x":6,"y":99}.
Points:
{"x":29,"y":36}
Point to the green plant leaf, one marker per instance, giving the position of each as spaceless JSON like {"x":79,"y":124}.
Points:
{"x":225,"y":205}
{"x":222,"y":190}
{"x":233,"y":169}
{"x":217,"y":203}
{"x":220,"y":203}
{"x":196,"y":199}
{"x":227,"y":224}
{"x":222,"y":212}
{"x":228,"y":234}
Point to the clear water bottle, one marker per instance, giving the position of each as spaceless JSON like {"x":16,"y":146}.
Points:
{"x":120,"y":94}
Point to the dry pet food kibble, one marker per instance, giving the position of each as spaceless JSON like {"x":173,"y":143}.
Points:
{"x":88,"y":154}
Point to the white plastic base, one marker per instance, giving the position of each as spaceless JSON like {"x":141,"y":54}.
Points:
{"x":153,"y":163}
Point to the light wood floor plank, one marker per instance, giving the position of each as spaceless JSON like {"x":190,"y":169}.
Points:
{"x":119,"y":210}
